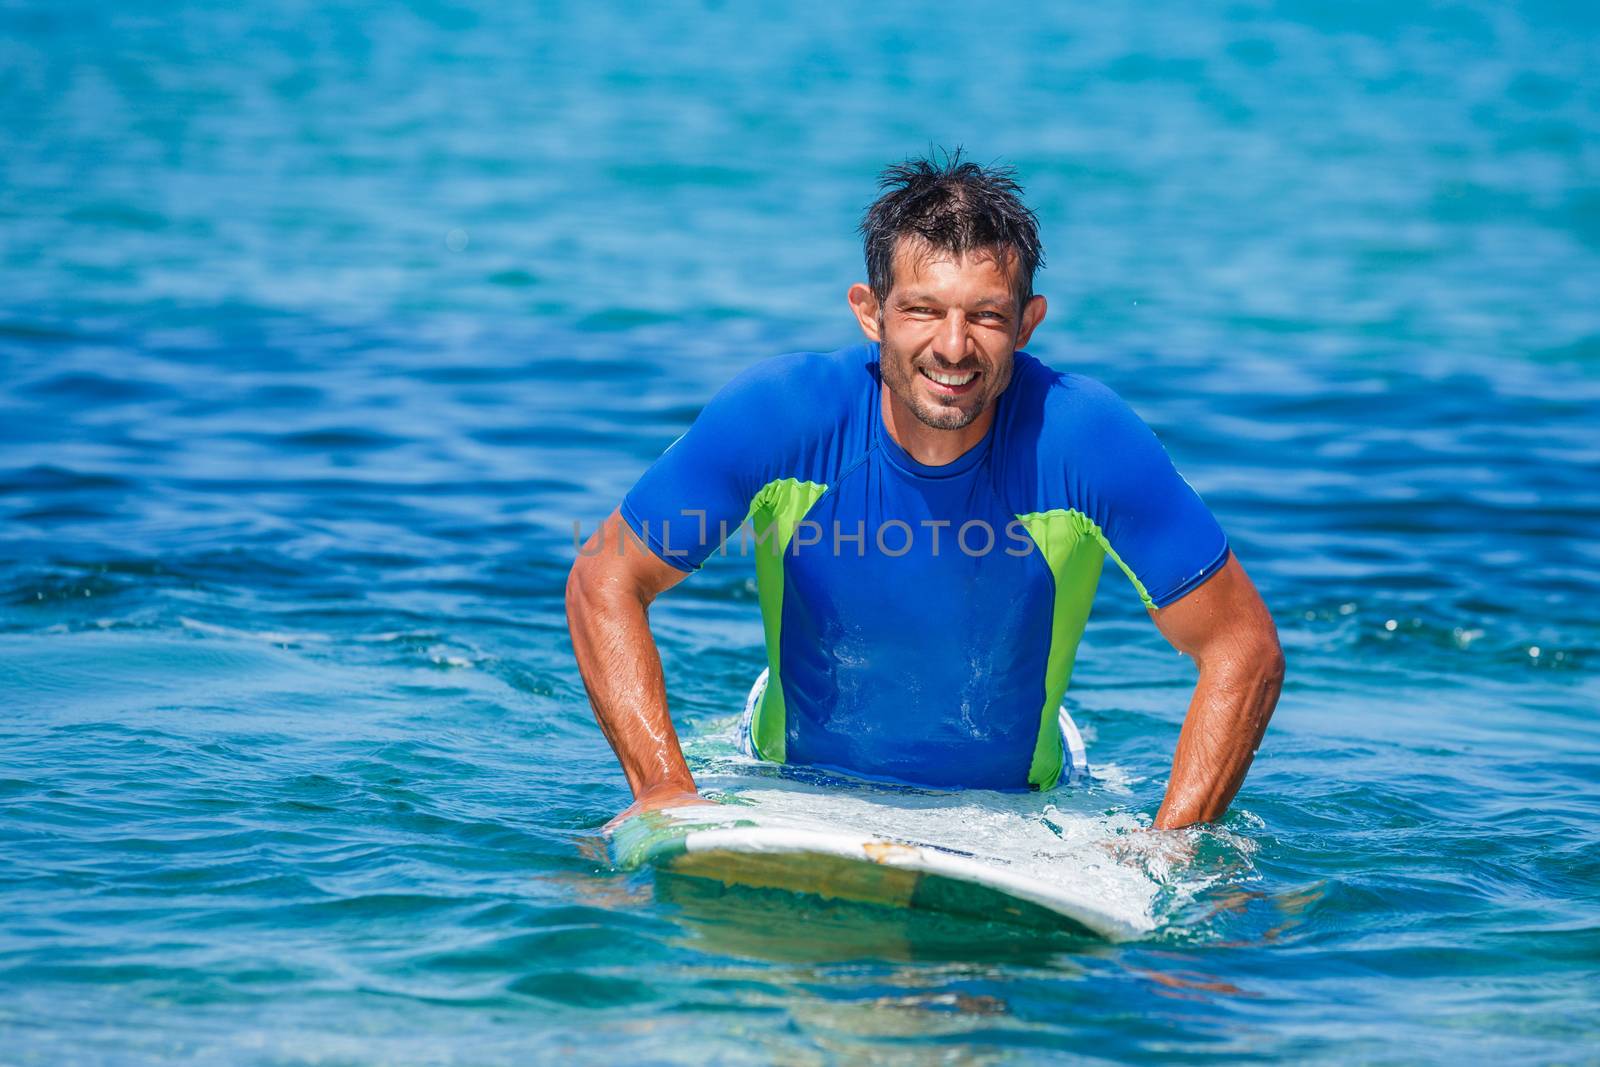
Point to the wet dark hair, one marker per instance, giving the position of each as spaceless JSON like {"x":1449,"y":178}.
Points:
{"x":957,"y":207}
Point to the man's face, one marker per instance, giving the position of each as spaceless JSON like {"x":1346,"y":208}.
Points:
{"x":947,"y":332}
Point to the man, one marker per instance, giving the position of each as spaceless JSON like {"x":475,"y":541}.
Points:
{"x":931,"y":512}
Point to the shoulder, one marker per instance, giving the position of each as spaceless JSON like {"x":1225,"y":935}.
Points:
{"x":1060,"y":412}
{"x":1071,"y":442}
{"x":799,"y":415}
{"x":795,"y":416}
{"x":796,"y":394}
{"x":821,"y":376}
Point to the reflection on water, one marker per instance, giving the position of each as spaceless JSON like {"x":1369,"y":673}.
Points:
{"x":792,"y":927}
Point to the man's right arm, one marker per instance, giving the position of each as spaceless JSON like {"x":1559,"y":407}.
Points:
{"x":676,"y":515}
{"x":609,"y":592}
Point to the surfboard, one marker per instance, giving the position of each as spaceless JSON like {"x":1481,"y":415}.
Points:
{"x":763,"y":838}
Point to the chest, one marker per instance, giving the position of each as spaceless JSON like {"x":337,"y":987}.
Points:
{"x":882,"y":554}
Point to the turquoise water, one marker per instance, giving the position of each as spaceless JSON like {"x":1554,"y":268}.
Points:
{"x":320,"y":326}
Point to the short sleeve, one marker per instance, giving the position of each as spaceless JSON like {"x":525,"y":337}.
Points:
{"x":696,"y":494}
{"x":783,"y":417}
{"x":1155,"y":526}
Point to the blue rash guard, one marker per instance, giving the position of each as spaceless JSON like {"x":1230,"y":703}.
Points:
{"x":921,"y":622}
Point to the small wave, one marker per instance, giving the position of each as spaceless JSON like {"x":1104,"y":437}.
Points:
{"x":274,"y":637}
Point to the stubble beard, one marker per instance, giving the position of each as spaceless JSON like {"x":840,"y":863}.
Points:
{"x":901,"y":378}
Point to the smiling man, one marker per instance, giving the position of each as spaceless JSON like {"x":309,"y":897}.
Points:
{"x":931,"y":512}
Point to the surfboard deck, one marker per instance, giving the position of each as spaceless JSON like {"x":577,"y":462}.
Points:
{"x":739,"y":845}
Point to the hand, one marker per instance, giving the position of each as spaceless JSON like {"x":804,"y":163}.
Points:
{"x":665,"y":795}
{"x":1153,"y":849}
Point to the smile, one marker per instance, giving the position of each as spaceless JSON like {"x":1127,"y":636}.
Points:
{"x":950,"y":384}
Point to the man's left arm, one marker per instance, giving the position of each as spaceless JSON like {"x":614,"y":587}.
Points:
{"x":1160,"y":533}
{"x":1226,"y":629}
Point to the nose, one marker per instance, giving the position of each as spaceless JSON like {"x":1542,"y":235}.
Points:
{"x":950,"y":341}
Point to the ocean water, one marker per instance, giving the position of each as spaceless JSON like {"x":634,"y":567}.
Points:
{"x":322,"y":324}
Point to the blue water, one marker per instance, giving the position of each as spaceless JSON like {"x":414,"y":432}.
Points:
{"x":320,"y":326}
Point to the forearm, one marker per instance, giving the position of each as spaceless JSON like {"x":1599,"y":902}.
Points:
{"x":1233,"y":701}
{"x":621,"y":670}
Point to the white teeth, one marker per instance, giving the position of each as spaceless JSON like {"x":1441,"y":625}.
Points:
{"x":951,"y":379}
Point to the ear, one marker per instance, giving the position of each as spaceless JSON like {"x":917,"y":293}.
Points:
{"x":1032,"y":315}
{"x":865,"y":305}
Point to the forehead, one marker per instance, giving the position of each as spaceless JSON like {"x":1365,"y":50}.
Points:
{"x":978,"y":273}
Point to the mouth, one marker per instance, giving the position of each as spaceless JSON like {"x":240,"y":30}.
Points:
{"x":948,"y":384}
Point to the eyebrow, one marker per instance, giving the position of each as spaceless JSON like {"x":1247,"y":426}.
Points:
{"x":929,"y":298}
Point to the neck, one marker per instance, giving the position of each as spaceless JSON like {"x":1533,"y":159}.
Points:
{"x":923,"y":443}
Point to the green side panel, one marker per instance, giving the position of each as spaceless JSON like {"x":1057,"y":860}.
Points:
{"x":1075,"y":552}
{"x":775,"y":513}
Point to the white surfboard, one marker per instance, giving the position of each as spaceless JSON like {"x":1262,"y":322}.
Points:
{"x":768,"y":836}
